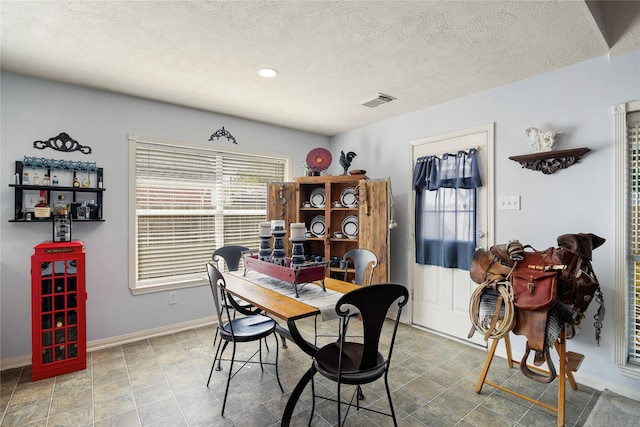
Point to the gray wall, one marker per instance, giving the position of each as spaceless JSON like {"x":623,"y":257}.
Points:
{"x":577,"y":100}
{"x":35,"y":109}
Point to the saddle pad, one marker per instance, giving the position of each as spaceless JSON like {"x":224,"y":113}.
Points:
{"x":487,"y":307}
{"x":557,"y":317}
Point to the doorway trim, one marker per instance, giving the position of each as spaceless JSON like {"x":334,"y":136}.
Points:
{"x":489,"y":184}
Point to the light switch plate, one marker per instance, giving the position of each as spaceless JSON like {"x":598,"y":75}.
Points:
{"x":509,"y":203}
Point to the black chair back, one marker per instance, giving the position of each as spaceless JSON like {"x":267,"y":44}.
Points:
{"x":362,"y":259}
{"x":373,"y":302}
{"x":216,"y":280}
{"x":231,"y":255}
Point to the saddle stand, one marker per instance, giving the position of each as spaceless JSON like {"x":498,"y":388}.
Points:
{"x":569,"y":363}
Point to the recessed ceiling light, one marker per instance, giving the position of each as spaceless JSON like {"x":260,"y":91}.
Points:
{"x":267,"y":72}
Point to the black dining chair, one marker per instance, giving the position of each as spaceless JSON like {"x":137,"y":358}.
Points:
{"x":231,"y":255}
{"x":237,"y":330}
{"x":359,"y":363}
{"x":362,"y":258}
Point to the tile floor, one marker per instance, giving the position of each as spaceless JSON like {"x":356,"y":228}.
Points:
{"x":162,"y":382}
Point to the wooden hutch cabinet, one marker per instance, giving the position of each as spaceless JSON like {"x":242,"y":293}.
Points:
{"x":58,"y":314}
{"x":352,"y":205}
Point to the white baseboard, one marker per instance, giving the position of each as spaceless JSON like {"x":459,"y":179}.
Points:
{"x":25,"y":360}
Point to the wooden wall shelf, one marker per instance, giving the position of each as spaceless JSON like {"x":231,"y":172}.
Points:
{"x":551,"y":161}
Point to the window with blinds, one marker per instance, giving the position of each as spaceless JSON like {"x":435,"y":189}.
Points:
{"x":188,"y":202}
{"x":633,"y":155}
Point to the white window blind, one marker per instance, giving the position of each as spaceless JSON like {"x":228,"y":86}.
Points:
{"x":633,"y":144}
{"x":189,"y":201}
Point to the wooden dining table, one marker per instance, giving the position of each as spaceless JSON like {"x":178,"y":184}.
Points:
{"x":288,"y":309}
{"x":282,"y":306}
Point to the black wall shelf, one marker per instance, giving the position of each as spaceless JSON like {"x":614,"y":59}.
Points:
{"x":19,"y":190}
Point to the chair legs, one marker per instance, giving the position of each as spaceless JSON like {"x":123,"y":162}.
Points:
{"x":218,"y":358}
{"x":357,"y":395}
{"x":393,"y":413}
{"x":226,"y":390}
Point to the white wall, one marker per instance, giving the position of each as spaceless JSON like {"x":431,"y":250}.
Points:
{"x":577,"y":100}
{"x":35,"y":109}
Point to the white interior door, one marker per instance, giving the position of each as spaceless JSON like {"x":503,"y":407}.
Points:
{"x":441,"y":295}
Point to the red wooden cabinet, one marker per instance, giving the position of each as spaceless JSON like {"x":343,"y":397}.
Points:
{"x":58,"y":309}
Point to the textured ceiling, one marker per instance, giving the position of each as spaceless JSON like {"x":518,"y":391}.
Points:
{"x":330,"y":55}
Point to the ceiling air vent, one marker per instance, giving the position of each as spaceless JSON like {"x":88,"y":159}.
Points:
{"x":375,"y":100}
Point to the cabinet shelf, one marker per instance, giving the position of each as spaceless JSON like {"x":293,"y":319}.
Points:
{"x":287,"y":203}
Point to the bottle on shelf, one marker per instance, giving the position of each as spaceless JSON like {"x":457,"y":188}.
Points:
{"x":59,"y":320}
{"x":36,"y":179}
{"x":25,"y":178}
{"x":85,"y":182}
{"x":42,"y":209}
{"x":76,"y":183}
{"x":83,"y":211}
{"x":61,"y":206}
{"x":62,"y":228}
{"x":54,"y":181}
{"x":46,"y":180}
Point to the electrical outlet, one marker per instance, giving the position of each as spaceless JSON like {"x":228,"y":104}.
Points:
{"x":173,"y":298}
{"x":509,"y":203}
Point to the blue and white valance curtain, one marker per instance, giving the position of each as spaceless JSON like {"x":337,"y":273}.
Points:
{"x":445,"y":208}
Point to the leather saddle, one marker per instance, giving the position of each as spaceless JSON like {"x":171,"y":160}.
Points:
{"x":541,"y":279}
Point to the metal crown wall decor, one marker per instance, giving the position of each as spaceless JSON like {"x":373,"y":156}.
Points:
{"x":223,"y":133}
{"x":62,"y":142}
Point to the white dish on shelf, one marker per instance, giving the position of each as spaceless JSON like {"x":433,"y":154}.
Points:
{"x":348,"y":197}
{"x":317,"y":227}
{"x":350,"y":227}
{"x":317,"y":198}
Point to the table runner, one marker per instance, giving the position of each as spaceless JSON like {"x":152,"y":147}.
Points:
{"x":309,"y":293}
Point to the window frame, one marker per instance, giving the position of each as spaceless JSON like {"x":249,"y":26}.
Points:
{"x":622,"y":255}
{"x":133,"y":141}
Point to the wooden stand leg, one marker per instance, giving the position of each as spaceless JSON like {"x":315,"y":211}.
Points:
{"x":507,"y":344}
{"x":562,"y":347}
{"x":562,"y":376}
{"x":487,"y":364}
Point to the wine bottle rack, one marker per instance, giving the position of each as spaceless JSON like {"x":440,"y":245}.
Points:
{"x":58,"y":312}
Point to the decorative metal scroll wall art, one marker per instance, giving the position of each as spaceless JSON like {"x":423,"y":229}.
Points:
{"x":62,"y":142}
{"x":42,"y":163}
{"x":223,"y":133}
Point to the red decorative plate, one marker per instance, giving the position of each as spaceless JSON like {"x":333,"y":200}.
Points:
{"x":319,"y":159}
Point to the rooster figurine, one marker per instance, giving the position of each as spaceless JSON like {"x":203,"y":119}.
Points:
{"x":345,"y":160}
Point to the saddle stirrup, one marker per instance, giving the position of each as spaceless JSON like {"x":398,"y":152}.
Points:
{"x":534,"y":375}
